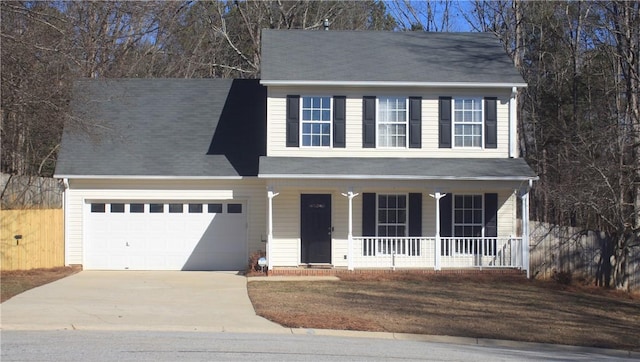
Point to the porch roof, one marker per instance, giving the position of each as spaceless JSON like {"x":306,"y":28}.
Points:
{"x":488,"y":169}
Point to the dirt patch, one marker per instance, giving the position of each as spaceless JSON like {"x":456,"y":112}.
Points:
{"x":15,"y":282}
{"x":500,"y":307}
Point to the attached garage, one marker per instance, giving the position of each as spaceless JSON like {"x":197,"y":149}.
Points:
{"x":160,"y":235}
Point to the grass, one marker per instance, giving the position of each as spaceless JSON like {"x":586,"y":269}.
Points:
{"x":15,"y":282}
{"x":480,"y":306}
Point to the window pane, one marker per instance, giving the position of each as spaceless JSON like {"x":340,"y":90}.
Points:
{"x":96,"y":207}
{"x":136,"y":208}
{"x":234,"y":208}
{"x":214,"y":208}
{"x":117,"y":208}
{"x":156,"y":208}
{"x":195,"y":208}
{"x":306,"y":140}
{"x":175,"y":208}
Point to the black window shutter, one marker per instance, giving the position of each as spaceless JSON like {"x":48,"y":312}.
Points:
{"x":339,"y":121}
{"x":368,"y":214}
{"x":415,"y":214}
{"x":490,"y":123}
{"x":415,"y":122}
{"x":368,"y":122}
{"x":446,"y":211}
{"x":491,"y":215}
{"x":444,"y":122}
{"x":293,"y":121}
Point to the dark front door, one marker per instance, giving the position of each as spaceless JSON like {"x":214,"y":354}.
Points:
{"x":315,"y":228}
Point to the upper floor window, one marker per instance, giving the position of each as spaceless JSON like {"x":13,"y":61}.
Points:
{"x":392,"y":116}
{"x":467,"y":122}
{"x":315,"y":121}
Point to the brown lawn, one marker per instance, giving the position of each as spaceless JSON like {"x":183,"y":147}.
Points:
{"x":15,"y":282}
{"x":480,"y":306}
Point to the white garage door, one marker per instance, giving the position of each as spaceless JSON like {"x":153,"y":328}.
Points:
{"x":165,"y":236}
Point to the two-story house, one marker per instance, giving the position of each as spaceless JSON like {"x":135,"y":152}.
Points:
{"x":355,"y":150}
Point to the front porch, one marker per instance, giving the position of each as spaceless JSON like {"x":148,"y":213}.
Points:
{"x":436,"y":252}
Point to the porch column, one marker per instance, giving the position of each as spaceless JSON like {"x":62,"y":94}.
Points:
{"x":524,"y":195}
{"x":270,"y":196}
{"x":350,"y":195}
{"x":437,"y":196}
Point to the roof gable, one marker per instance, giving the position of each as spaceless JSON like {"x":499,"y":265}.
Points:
{"x":377,"y":56}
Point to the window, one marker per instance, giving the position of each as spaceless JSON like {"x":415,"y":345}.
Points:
{"x":392,"y":122}
{"x":195,"y":208}
{"x":234,"y":208}
{"x":467,"y":215}
{"x":467,"y":122}
{"x":96,"y":207}
{"x":117,"y":208}
{"x":316,"y":121}
{"x":156,"y":208}
{"x":392,"y":215}
{"x":175,"y":208}
{"x":136,"y":208}
{"x":214,"y":208}
{"x":467,"y":222}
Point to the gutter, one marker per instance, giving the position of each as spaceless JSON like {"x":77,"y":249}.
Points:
{"x":391,"y":84}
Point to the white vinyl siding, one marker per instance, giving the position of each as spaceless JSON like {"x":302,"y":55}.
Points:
{"x":276,"y":125}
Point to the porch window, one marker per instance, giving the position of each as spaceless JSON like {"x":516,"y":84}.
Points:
{"x":392,"y":122}
{"x":316,"y":121}
{"x":469,"y":226}
{"x":392,"y":215}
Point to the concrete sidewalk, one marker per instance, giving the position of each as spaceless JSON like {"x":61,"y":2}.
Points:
{"x":137,"y":300}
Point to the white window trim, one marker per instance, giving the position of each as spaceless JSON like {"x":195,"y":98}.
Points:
{"x":302,"y":121}
{"x":406,"y":220}
{"x":406,"y":123}
{"x":453,"y":123}
{"x":453,"y":215}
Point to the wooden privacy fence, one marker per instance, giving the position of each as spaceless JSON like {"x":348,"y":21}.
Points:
{"x":32,"y":238}
{"x":556,"y":248}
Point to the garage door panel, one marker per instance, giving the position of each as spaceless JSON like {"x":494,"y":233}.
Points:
{"x":166,"y":241}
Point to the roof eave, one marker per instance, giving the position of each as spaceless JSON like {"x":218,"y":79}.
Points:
{"x":398,"y":177}
{"x":267,"y":82}
{"x":145,"y":177}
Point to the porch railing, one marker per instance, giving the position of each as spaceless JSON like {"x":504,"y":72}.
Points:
{"x":420,"y":252}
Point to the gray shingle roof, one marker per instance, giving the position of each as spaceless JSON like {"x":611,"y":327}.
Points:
{"x":397,"y":168}
{"x":165,"y":127}
{"x":359,"y":56}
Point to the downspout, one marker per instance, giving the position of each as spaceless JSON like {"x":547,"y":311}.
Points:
{"x":65,"y":217}
{"x":513,"y":122}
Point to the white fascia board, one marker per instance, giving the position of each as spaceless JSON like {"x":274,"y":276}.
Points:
{"x":391,"y":84}
{"x":146,"y":177}
{"x":399,"y":177}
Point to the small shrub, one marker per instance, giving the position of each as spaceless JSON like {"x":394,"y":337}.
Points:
{"x":253,"y":268}
{"x":562,"y":277}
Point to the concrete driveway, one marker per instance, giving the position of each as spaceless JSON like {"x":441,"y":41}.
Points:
{"x":132,"y":300}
